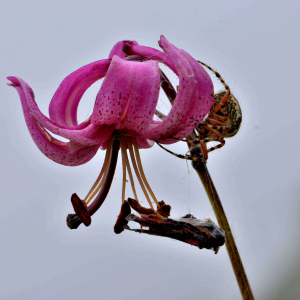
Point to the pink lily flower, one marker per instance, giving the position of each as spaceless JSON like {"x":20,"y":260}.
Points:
{"x":122,"y":115}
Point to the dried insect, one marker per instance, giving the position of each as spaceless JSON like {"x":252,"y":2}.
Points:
{"x":223,"y":121}
{"x":201,"y":233}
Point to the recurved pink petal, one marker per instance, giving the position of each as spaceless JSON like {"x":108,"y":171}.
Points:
{"x":144,"y":143}
{"x":128,"y":95}
{"x":152,"y":54}
{"x":117,"y":49}
{"x":193,"y":98}
{"x":64,"y":104}
{"x":69,"y":154}
{"x":203,"y":99}
{"x":88,"y":136}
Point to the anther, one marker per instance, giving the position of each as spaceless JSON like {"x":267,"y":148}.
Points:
{"x":121,"y":220}
{"x":81,"y":210}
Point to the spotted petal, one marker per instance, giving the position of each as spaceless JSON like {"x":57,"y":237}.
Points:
{"x":128,"y":95}
{"x":117,"y":49}
{"x":193,"y":98}
{"x":64,"y":104}
{"x":69,"y":154}
{"x":88,"y":136}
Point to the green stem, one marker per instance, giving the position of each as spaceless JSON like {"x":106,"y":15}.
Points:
{"x":232,"y":250}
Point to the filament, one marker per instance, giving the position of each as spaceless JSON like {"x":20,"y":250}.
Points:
{"x":160,"y":114}
{"x":124,"y":177}
{"x":108,"y":178}
{"x":99,"y":186}
{"x":129,"y":144}
{"x":139,"y":162}
{"x":91,"y":194}
{"x":125,"y":157}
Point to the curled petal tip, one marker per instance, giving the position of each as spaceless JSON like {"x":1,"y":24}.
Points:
{"x":119,"y":47}
{"x":14,"y":81}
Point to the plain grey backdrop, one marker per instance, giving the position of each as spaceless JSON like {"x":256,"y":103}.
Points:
{"x":255,"y":46}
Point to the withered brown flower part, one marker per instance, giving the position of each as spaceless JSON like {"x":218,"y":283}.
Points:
{"x":200,"y":233}
{"x":188,"y":229}
{"x":164,"y":209}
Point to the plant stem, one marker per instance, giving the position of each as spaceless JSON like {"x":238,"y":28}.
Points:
{"x":215,"y":201}
{"x":232,"y":250}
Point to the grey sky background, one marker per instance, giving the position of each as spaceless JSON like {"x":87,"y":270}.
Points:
{"x":255,"y":47}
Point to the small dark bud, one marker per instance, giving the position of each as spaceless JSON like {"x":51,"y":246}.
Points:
{"x":73,"y":221}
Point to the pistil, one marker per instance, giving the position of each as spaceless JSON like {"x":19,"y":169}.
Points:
{"x":137,"y":173}
{"x":96,"y":204}
{"x":74,"y":220}
{"x":85,"y":209}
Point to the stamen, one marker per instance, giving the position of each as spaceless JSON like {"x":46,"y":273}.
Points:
{"x":160,"y":114}
{"x":96,"y":204}
{"x":73,"y":221}
{"x":100,"y":184}
{"x":125,"y":159}
{"x":103,"y":171}
{"x":80,"y":210}
{"x":129,"y":145}
{"x":124,"y":179}
{"x":139,"y":162}
{"x":121,"y":220}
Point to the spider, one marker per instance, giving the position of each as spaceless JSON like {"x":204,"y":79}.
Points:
{"x":223,"y":121}
{"x":200,"y":233}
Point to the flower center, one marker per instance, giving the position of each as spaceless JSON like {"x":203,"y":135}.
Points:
{"x":98,"y":193}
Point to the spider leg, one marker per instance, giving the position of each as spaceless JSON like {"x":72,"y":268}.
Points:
{"x":226,"y":97}
{"x":213,"y":126}
{"x":177,"y":139}
{"x":217,"y":75}
{"x":216,"y":129}
{"x":218,"y":117}
{"x":213,"y":129}
{"x":188,"y":157}
{"x":204,"y":149}
{"x":213,"y":121}
{"x":221,"y":141}
{"x":219,"y":105}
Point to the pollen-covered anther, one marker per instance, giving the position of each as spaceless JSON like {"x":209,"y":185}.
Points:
{"x":81,"y":210}
{"x":121,"y":220}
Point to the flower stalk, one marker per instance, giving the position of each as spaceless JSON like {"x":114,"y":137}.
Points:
{"x":214,"y":199}
{"x":217,"y":206}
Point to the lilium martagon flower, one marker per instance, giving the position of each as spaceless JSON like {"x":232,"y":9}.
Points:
{"x":122,"y":118}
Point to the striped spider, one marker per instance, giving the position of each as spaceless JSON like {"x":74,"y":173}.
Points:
{"x":223,"y":121}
